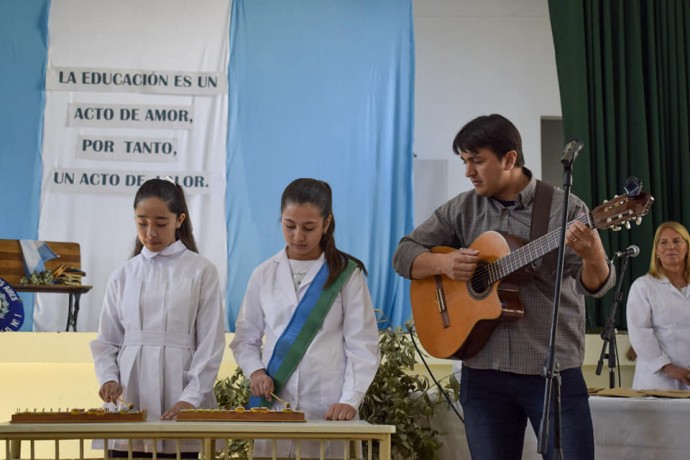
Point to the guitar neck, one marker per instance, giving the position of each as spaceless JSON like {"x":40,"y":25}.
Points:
{"x":528,"y":253}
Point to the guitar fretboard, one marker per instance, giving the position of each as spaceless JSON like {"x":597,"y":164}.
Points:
{"x":501,"y":268}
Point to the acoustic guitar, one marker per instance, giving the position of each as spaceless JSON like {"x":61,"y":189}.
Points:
{"x":454,"y":319}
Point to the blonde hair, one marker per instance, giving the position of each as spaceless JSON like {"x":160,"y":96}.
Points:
{"x":655,"y":268}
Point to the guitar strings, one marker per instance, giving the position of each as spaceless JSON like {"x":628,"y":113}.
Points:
{"x":494,"y":271}
{"x":498,"y":269}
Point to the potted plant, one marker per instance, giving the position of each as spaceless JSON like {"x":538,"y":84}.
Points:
{"x":399,"y":396}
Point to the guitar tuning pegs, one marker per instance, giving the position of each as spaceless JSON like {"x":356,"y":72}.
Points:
{"x":616,"y":228}
{"x":638,"y":221}
{"x":627,"y":225}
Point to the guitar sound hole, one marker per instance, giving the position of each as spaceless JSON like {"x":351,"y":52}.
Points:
{"x":479,"y":283}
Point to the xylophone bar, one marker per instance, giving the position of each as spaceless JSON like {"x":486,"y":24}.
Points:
{"x":249,"y":415}
{"x":79,"y":416}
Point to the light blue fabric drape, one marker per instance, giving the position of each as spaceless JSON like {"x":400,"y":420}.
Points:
{"x":318,"y":88}
{"x":23,"y":53}
{"x":323,"y":89}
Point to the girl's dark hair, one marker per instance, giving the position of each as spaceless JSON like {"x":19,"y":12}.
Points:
{"x":494,"y":132}
{"x":319,"y":194}
{"x":173,"y":196}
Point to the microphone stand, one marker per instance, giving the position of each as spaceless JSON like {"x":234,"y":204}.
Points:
{"x":609,"y":332}
{"x":551,"y":371}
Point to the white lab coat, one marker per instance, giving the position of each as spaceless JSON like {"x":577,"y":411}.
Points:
{"x":659,"y":327}
{"x":162,"y":334}
{"x":339,"y":364}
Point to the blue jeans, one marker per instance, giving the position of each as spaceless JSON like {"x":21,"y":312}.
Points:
{"x":498,"y":404}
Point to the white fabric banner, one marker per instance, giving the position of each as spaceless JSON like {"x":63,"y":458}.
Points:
{"x":134,"y":90}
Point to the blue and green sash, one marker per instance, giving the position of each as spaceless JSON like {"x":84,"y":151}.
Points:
{"x":302,"y":328}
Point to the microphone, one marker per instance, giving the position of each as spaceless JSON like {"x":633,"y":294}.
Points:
{"x":630,"y":251}
{"x":571,"y":150}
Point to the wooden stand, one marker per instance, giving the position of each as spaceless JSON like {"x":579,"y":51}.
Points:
{"x":12,"y":434}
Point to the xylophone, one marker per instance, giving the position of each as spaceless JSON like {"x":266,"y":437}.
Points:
{"x":256,"y":414}
{"x":78,"y":416}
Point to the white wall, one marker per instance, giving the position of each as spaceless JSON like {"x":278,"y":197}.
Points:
{"x":475,"y":58}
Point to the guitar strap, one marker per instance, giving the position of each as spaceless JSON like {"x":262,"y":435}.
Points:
{"x":541,"y":209}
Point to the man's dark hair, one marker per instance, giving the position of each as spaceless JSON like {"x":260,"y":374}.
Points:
{"x":494,"y":132}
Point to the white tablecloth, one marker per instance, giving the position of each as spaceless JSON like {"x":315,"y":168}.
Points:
{"x":624,"y":428}
{"x":641,"y":428}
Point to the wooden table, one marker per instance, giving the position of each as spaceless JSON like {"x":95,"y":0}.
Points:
{"x":206,"y":432}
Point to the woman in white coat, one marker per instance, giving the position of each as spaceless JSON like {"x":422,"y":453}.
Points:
{"x":338,"y":365}
{"x":161,"y":335}
{"x":658,"y":313}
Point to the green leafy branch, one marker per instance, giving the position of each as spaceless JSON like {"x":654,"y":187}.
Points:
{"x":44,"y":277}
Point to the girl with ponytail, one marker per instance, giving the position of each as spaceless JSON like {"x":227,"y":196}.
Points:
{"x":162,"y":329}
{"x":307,"y":331}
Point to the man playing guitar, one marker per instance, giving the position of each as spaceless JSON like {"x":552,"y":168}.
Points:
{"x":501,"y":383}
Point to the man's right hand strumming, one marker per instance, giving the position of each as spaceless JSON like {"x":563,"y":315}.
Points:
{"x":457,"y":265}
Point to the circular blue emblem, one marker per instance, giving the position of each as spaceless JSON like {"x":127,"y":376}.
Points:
{"x":11,"y":308}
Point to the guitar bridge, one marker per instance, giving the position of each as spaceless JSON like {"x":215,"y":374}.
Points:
{"x":441,"y":301}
